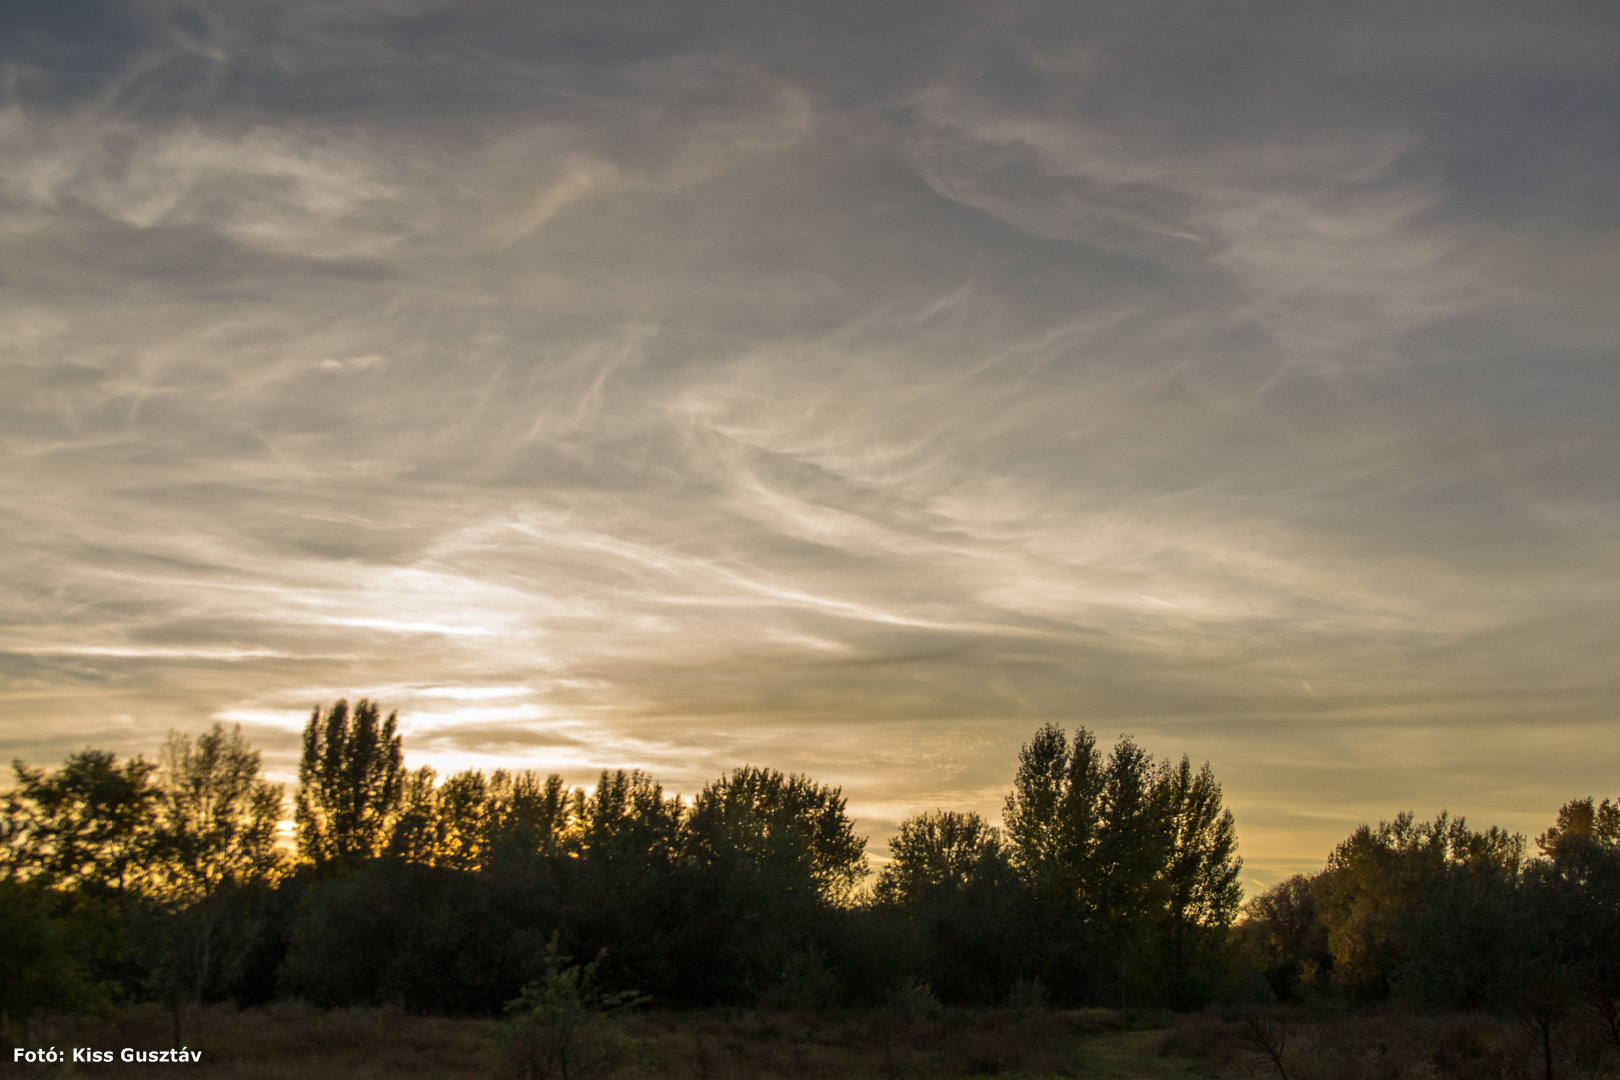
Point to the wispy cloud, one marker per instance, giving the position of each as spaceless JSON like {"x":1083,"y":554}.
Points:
{"x":848,"y":394}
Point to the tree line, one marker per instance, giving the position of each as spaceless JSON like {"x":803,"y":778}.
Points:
{"x":1436,"y":913}
{"x":1113,"y":880}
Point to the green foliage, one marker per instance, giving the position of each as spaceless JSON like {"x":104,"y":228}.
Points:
{"x":558,"y":1023}
{"x":1286,"y":940}
{"x":1386,"y":890}
{"x":1115,"y":881}
{"x":350,"y":781}
{"x":808,"y":983}
{"x":137,"y":878}
{"x":51,"y":944}
{"x":916,"y":1003}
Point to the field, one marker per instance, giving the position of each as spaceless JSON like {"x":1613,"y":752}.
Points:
{"x":294,"y":1042}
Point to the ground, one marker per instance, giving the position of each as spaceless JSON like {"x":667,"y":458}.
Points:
{"x":291,"y":1041}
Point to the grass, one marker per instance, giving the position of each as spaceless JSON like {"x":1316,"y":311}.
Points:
{"x":294,"y":1042}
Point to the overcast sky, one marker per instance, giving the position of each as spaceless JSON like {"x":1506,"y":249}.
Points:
{"x":845,"y":388}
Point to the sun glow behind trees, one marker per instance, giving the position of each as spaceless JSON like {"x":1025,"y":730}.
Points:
{"x":1114,"y":882}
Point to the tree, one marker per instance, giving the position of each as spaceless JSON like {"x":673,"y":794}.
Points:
{"x":1204,"y":890}
{"x":1134,"y":840}
{"x":350,"y":780}
{"x":1136,"y":856}
{"x":530,"y":815}
{"x":1582,"y":831}
{"x":942,"y":853}
{"x":469,"y":820}
{"x":416,"y":834}
{"x":1052,"y":815}
{"x":90,"y":824}
{"x":216,"y":837}
{"x":51,"y":944}
{"x":1576,"y":888}
{"x":216,"y":816}
{"x":1431,"y":906}
{"x":78,"y":848}
{"x":787,"y":825}
{"x":1288,"y":941}
{"x":627,"y":817}
{"x":766,"y":862}
{"x":557,"y":1025}
{"x":962,"y":908}
{"x":463,"y":806}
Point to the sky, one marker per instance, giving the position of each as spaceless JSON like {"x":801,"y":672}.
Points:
{"x":844,"y":388}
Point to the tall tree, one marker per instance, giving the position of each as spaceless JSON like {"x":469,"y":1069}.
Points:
{"x":350,"y":780}
{"x":1052,"y":815}
{"x":216,"y":815}
{"x":1133,"y":838}
{"x":1204,"y":864}
{"x":1134,"y":858}
{"x":531,"y":814}
{"x":1202,"y":875}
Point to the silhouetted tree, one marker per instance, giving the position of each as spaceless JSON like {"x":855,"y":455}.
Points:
{"x":1576,"y":888}
{"x":416,"y":833}
{"x":216,"y":816}
{"x":1203,"y":871}
{"x":942,"y":854}
{"x":215,"y":845}
{"x":91,"y":823}
{"x":627,"y":818}
{"x":788,"y":825}
{"x":465,"y":821}
{"x":765,"y":861}
{"x":350,"y":780}
{"x":952,"y":877}
{"x":530,"y":815}
{"x":1136,"y":859}
{"x":1053,"y":815}
{"x":1134,"y":839}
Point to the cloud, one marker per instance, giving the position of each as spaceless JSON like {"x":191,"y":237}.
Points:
{"x":678,"y":391}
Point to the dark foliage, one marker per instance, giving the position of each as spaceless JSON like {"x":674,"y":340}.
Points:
{"x":1114,"y":883}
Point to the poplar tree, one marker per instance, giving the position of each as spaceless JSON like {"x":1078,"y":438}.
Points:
{"x":350,"y":780}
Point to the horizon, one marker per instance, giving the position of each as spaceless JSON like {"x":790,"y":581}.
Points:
{"x":845,"y":391}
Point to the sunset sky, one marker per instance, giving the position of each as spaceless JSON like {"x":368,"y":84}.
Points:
{"x":844,"y":388}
